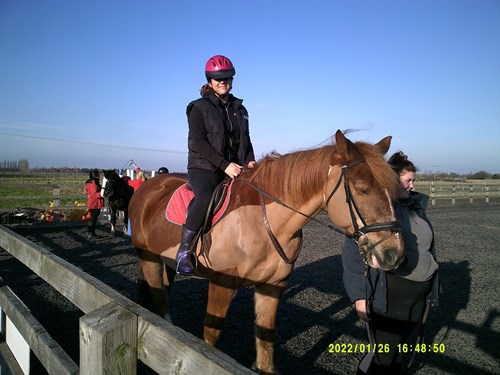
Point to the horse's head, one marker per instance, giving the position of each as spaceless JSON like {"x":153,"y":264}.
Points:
{"x":110,"y":176}
{"x":365,"y":186}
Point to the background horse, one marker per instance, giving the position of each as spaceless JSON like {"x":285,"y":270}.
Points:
{"x":259,"y":237}
{"x":118,"y":193}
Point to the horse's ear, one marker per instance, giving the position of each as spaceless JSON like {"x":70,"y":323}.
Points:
{"x":344,"y":145}
{"x":384,"y":144}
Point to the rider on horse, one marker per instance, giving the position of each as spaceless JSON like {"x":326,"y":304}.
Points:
{"x":219,"y":145}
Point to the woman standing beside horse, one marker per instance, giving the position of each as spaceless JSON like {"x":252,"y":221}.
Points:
{"x":394,"y":303}
{"x":94,"y":201}
{"x":219,"y":146}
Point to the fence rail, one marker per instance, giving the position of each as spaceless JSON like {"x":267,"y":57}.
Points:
{"x":51,"y":355}
{"x":126,"y":332}
{"x":469,"y":192}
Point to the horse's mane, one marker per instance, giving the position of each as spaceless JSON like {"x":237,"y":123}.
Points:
{"x":300,"y":175}
{"x":296,"y":175}
{"x":383,"y":175}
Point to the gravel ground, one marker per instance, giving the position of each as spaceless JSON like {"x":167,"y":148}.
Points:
{"x":315,"y":311}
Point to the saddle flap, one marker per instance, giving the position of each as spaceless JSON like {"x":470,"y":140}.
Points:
{"x":180,"y":199}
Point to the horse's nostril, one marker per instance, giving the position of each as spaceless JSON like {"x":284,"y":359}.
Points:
{"x":389,"y":258}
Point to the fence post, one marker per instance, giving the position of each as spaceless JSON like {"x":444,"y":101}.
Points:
{"x":108,"y":341}
{"x":57,"y":202}
{"x":453,"y":195}
{"x":433,"y":199}
{"x":487,"y":188}
{"x":471,"y":199}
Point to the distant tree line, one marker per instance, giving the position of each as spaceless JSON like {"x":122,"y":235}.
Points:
{"x":481,"y":175}
{"x":22,"y":165}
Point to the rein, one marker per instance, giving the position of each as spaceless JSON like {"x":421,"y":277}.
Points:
{"x":272,"y":237}
{"x":393,"y":226}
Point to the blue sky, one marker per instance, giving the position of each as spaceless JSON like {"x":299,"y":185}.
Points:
{"x":97,"y":83}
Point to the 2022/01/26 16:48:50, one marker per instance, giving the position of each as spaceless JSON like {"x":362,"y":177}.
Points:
{"x":385,"y":348}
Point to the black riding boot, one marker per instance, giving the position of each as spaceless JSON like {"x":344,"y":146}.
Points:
{"x":183,"y":257}
{"x":91,"y":232}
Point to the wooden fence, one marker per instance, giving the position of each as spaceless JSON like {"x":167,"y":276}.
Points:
{"x":460,"y":193}
{"x":114,"y":333}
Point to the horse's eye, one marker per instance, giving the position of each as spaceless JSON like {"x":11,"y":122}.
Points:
{"x":363,"y":190}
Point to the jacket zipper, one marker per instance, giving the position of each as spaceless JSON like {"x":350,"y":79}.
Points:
{"x":230,"y":131}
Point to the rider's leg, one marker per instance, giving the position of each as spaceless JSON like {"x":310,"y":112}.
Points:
{"x":203,"y":184}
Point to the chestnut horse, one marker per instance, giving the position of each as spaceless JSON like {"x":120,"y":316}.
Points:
{"x":259,"y":237}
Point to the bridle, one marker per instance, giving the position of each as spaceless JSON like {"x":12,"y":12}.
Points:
{"x":392,"y":226}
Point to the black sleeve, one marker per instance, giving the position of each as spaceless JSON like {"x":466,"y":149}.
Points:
{"x":354,"y":271}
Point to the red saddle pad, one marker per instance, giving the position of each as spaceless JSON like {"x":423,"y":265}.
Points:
{"x":179,"y":201}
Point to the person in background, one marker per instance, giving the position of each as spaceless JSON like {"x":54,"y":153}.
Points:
{"x":162,"y":170}
{"x":138,"y":181}
{"x":219,"y":146}
{"x":95,"y":202}
{"x":393,"y":303}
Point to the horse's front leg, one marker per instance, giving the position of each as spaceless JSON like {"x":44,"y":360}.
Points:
{"x":153,"y":292}
{"x":267,"y":298}
{"x":221,"y":291}
{"x":112,"y":220}
{"x":125,"y":221}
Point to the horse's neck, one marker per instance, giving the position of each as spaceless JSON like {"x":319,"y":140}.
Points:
{"x":110,"y":187}
{"x":292,"y":219}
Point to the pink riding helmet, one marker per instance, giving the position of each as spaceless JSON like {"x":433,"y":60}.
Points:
{"x":219,"y":67}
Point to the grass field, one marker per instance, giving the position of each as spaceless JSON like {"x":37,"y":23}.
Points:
{"x":33,"y":190}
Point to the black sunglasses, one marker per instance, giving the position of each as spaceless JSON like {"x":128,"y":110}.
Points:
{"x":223,"y":79}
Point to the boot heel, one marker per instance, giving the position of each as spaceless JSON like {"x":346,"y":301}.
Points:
{"x":184,"y":265}
{"x":183,"y":257}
